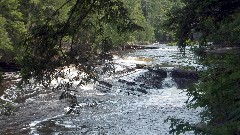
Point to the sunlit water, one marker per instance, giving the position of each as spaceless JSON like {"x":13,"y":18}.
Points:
{"x":126,"y":108}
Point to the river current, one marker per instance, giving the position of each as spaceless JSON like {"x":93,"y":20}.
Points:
{"x":134,"y":101}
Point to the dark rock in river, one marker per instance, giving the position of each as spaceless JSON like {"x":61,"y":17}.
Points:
{"x":187,"y":74}
{"x":105,"y":83}
{"x":103,"y":86}
{"x":183,"y":83}
{"x":135,"y":47}
{"x":122,"y":81}
{"x":160,"y":73}
{"x":185,"y":78}
{"x":152,"y":79}
{"x":134,"y":90}
{"x":142,"y":91}
{"x":131,"y":83}
{"x":141,"y":66}
{"x":127,"y":82}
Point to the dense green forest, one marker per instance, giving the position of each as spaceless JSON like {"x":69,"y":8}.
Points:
{"x":21,"y":18}
{"x":43,"y":35}
{"x":34,"y":30}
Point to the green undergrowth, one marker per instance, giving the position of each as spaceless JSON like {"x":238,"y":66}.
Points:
{"x":218,"y":93}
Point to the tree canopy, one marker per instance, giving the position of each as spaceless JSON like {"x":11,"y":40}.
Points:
{"x":80,"y":39}
{"x":213,"y":19}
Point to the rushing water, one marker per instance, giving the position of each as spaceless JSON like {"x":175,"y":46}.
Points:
{"x":133,"y":101}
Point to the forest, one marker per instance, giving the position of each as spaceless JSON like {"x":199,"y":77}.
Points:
{"x":40,"y":37}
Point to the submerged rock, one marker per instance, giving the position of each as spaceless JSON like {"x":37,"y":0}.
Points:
{"x":131,"y":83}
{"x":103,"y":86}
{"x":105,"y":83}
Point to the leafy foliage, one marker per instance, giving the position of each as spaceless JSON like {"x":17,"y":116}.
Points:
{"x":178,"y":126}
{"x":78,"y":40}
{"x":210,"y":18}
{"x":156,"y":11}
{"x":11,"y":27}
{"x":218,"y":91}
{"x":219,"y":94}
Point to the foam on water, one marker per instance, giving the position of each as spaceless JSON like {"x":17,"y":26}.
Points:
{"x":33,"y":124}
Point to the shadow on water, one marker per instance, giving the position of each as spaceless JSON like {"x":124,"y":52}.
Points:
{"x":1,"y":89}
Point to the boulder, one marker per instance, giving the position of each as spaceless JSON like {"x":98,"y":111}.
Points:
{"x":187,"y":74}
{"x":131,"y":83}
{"x":183,"y":83}
{"x":142,"y":91}
{"x":103,"y":86}
{"x":133,"y":91}
{"x":105,"y":83}
{"x":160,"y":73}
{"x":122,"y":81}
{"x":141,"y":66}
{"x":152,"y":78}
{"x":184,"y":78}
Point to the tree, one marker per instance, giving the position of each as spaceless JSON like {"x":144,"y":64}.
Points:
{"x":137,"y":14}
{"x":11,"y":28}
{"x":78,"y":40}
{"x":155,"y":11}
{"x":205,"y":17}
{"x":218,"y":90}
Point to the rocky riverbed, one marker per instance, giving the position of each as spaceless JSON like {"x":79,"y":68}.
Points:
{"x":147,"y":88}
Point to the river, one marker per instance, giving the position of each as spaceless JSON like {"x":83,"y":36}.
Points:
{"x":134,"y":101}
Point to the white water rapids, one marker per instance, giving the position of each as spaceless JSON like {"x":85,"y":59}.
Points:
{"x":131,"y":106}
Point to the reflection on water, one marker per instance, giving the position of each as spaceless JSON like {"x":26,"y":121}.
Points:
{"x":133,"y":101}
